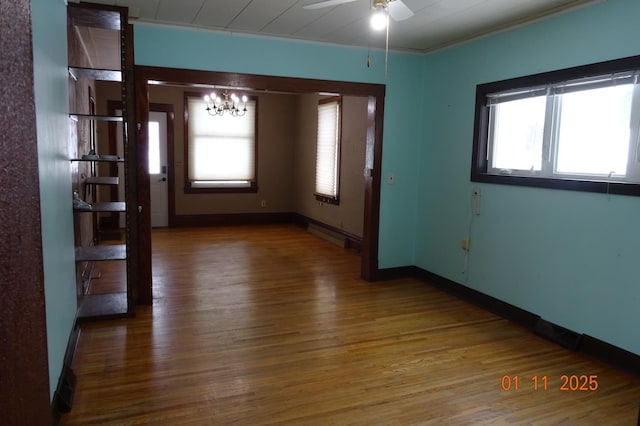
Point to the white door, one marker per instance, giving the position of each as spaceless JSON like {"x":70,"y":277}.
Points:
{"x":158,"y":169}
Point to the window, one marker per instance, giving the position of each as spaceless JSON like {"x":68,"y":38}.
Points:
{"x":154,"y":148}
{"x":572,"y":129}
{"x":221,"y":151}
{"x":328,"y":151}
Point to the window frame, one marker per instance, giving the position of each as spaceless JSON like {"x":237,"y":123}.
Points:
{"x":188,"y":187}
{"x":325,"y":198}
{"x":480,"y":166}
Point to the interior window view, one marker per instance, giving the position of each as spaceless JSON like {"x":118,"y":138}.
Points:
{"x":314,"y":212}
{"x":221,"y":149}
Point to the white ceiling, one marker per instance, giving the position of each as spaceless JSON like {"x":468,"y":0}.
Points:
{"x":436,"y":23}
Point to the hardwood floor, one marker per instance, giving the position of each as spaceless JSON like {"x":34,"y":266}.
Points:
{"x":271,"y":325}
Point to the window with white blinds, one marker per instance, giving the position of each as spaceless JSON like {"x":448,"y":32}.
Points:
{"x":328,"y":150}
{"x":577,"y":128}
{"x":221,"y":150}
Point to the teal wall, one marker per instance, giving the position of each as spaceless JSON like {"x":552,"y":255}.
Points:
{"x":49,"y":26}
{"x":569,"y":257}
{"x":204,"y":50}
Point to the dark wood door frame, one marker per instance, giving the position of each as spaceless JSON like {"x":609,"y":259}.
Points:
{"x":373,"y":161}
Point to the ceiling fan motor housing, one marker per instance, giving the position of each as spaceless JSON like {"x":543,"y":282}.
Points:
{"x":376,"y":4}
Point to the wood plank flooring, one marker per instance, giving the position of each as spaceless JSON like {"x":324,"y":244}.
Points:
{"x":271,"y":325}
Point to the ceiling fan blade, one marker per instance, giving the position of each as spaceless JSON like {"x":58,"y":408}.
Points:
{"x":326,"y":3}
{"x":399,"y":11}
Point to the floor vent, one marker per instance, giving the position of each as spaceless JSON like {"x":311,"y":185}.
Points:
{"x":560,"y":335}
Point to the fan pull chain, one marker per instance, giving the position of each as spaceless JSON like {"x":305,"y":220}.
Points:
{"x":369,"y":51}
{"x":386,"y":49}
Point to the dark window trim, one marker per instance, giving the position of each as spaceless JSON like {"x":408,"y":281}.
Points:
{"x":479,"y":161}
{"x":323,"y":198}
{"x":188,"y":189}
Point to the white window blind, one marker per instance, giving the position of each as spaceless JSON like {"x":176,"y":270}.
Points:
{"x":221,"y":149}
{"x":583,"y":129}
{"x":328,"y":149}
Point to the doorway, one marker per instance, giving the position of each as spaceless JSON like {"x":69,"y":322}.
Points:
{"x":375,"y":112}
{"x":160,"y":149}
{"x":159,"y":167}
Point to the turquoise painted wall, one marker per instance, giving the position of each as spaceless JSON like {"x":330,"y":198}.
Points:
{"x":205,"y":50}
{"x":569,"y":257}
{"x":49,"y":26}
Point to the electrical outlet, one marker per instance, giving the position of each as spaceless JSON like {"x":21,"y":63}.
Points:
{"x":465,"y":244}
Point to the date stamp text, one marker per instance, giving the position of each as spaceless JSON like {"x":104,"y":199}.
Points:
{"x":567,"y":383}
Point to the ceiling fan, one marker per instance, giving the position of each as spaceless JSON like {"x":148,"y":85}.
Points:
{"x":396,"y":8}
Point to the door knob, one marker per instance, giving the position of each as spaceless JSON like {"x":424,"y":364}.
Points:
{"x":164,"y":179}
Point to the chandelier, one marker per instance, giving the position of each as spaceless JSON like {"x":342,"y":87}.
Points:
{"x":231,"y":104}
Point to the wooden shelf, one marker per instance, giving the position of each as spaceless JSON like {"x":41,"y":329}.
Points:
{"x":98,"y":160}
{"x":95,"y":117}
{"x":102,"y":180}
{"x":103,"y":252}
{"x":114,"y":207}
{"x":95,"y":74}
{"x":110,"y":23}
{"x":100,"y":306}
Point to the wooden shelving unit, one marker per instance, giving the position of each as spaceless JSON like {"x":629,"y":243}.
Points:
{"x":90,"y":64}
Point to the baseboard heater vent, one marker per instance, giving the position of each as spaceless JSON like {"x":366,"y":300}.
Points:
{"x":560,"y":335}
{"x":327,"y":235}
